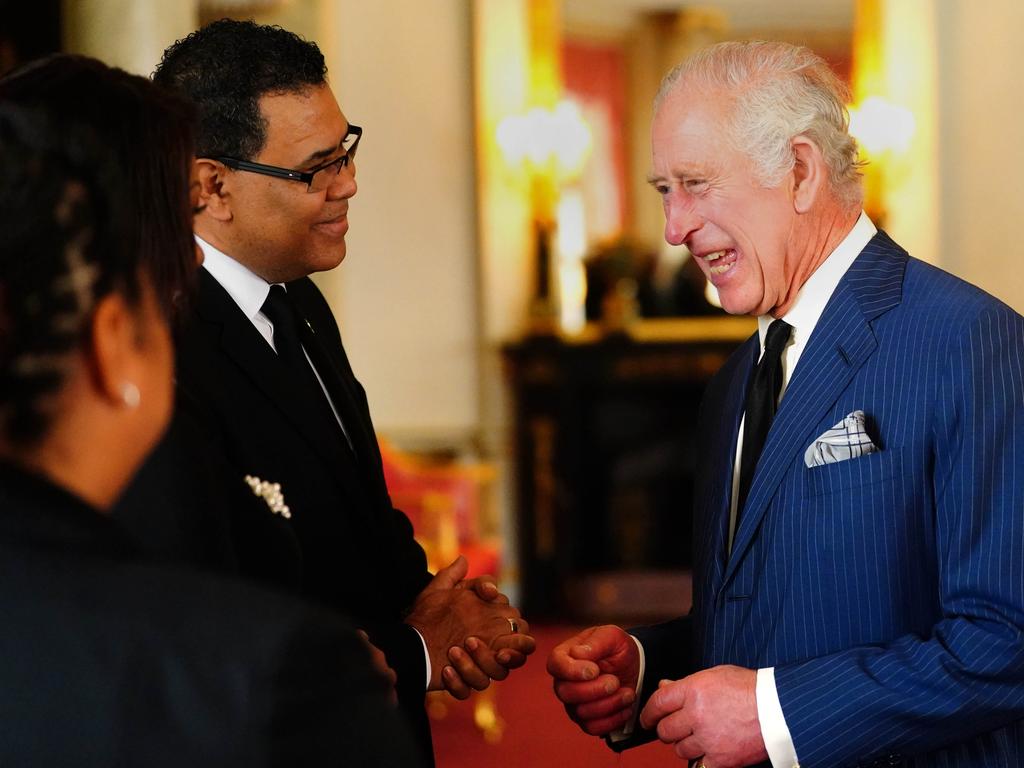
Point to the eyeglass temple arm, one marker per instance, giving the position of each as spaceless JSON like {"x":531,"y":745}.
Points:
{"x":268,"y":170}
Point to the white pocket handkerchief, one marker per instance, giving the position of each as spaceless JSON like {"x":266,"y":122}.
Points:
{"x":846,"y":440}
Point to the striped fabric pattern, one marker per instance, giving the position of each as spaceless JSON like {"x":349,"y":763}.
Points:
{"x":887,"y":590}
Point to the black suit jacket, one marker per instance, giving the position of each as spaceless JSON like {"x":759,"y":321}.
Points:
{"x":108,"y":661}
{"x":240,"y":413}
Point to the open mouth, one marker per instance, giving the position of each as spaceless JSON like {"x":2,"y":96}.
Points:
{"x":720,"y":262}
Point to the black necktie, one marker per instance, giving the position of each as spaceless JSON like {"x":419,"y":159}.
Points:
{"x":762,"y":400}
{"x":278,"y":309}
{"x":288,"y":332}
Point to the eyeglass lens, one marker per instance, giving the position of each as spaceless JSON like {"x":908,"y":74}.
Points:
{"x":326,"y":175}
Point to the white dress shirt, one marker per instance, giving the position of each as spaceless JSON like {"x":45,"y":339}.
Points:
{"x":803,"y":316}
{"x":249,"y":291}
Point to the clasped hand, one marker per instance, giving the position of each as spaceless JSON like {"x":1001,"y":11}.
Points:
{"x":595,"y":675}
{"x":466,"y":626}
{"x":710,"y":715}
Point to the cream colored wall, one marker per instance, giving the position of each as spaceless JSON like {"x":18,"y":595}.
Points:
{"x":303,"y":17}
{"x":956,"y":199}
{"x":406,"y":295}
{"x":982,"y":144}
{"x":126,"y":33}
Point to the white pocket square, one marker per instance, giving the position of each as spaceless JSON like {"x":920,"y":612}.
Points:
{"x":846,"y":440}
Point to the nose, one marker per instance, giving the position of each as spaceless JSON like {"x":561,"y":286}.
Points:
{"x":344,"y":184}
{"x":681,"y":220}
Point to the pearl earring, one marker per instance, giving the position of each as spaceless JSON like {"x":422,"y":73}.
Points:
{"x":130,"y":394}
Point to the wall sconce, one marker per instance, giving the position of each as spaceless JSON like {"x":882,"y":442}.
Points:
{"x":551,"y":141}
{"x":883,"y":131}
{"x":551,"y":147}
{"x":880,"y":126}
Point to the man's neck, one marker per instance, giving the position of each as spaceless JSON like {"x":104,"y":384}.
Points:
{"x":212,"y":235}
{"x":820,"y":235}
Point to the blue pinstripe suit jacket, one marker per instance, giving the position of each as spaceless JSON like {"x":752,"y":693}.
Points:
{"x":887,"y":590}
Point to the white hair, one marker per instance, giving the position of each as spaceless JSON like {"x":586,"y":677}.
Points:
{"x":779,"y":91}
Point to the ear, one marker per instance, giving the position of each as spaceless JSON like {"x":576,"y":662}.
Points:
{"x":810,"y":174}
{"x":214,"y":198}
{"x":113,"y":350}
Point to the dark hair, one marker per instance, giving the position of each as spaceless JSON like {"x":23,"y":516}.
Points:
{"x":94,"y":198}
{"x":225,"y":68}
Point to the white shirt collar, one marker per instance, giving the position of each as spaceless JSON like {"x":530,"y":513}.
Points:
{"x":248,"y":289}
{"x":814,"y":295}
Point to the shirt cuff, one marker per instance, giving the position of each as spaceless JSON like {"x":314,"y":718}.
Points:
{"x":426,"y":658}
{"x":626,"y":730}
{"x":774,"y":730}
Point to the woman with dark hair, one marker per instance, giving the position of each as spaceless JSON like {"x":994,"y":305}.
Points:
{"x":104,"y":659}
{"x":148,"y":135}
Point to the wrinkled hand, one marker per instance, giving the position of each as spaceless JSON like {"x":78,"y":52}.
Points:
{"x":380,"y":664}
{"x":710,"y":715}
{"x":467,"y":632}
{"x":595,"y":675}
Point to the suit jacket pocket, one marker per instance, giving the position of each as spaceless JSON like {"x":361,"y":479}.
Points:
{"x":848,"y":476}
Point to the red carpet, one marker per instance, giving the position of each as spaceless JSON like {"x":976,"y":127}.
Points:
{"x":536,"y":731}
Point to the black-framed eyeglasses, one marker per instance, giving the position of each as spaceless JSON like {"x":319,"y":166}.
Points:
{"x":316,"y":180}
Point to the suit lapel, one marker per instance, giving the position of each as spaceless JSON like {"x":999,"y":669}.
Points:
{"x":249,"y":351}
{"x":841,"y":343}
{"x":722,"y":458}
{"x":337,"y":378}
{"x":326,"y":349}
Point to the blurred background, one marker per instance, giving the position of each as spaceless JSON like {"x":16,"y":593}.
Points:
{"x":534,"y":353}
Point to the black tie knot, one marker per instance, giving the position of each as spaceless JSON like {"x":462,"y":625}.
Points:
{"x":278,"y":310}
{"x":777,"y":336}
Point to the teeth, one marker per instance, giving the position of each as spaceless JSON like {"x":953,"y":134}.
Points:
{"x":718,"y":269}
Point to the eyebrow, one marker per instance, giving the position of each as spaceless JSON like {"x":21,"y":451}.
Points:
{"x":681,"y":174}
{"x":322,"y":154}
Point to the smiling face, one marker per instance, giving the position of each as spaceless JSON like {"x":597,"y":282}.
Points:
{"x":741,"y":233}
{"x":278,"y":229}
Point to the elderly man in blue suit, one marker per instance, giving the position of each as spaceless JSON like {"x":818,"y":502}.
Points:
{"x":859,"y":571}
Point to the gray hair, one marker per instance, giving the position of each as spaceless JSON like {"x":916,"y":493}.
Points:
{"x":779,"y":91}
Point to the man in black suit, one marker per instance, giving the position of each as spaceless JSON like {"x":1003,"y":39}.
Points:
{"x":264,"y":379}
{"x":105,"y":659}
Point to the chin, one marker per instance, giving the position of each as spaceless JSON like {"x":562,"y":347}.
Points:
{"x":738,"y":302}
{"x":326,"y":260}
{"x":737,"y":307}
